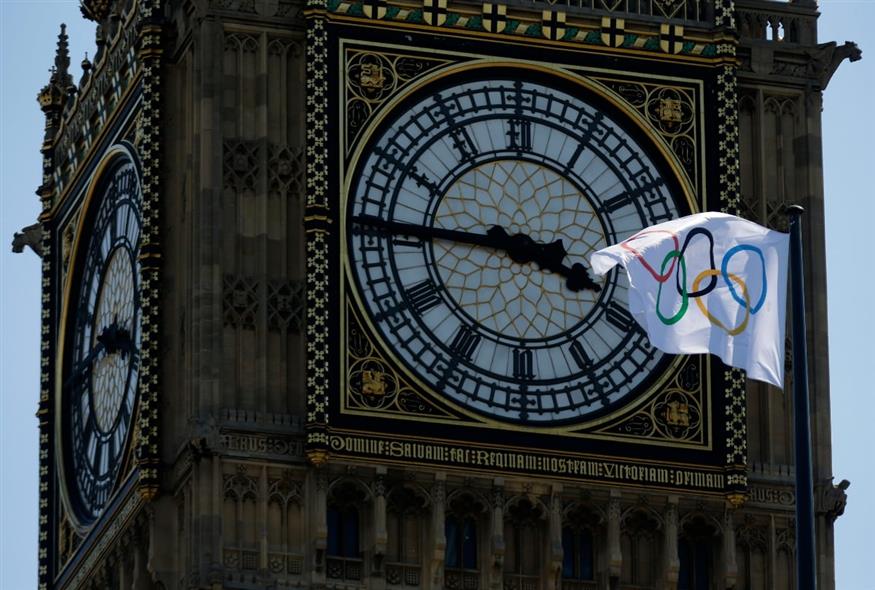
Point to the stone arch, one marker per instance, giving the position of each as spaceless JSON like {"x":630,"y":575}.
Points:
{"x":407,"y":510}
{"x":641,"y":545}
{"x":467,"y":535}
{"x":752,"y":557}
{"x":286,"y":525}
{"x":584,"y":540}
{"x":348,"y":519}
{"x":239,"y":511}
{"x":698,"y":547}
{"x":526,"y":520}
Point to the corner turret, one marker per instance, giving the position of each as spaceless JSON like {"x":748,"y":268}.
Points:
{"x":52,"y":99}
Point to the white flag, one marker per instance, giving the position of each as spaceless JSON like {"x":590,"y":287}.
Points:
{"x":709,"y":282}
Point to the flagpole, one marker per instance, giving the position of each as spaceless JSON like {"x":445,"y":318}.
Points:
{"x":806,"y":567}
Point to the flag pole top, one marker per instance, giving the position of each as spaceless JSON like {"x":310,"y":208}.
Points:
{"x":794,"y":210}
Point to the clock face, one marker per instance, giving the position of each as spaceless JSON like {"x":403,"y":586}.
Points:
{"x":102,"y":367}
{"x":469,"y":225}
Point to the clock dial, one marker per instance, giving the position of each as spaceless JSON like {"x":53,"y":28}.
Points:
{"x":469,"y":225}
{"x":102,"y":368}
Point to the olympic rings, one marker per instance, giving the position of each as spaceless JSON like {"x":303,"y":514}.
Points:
{"x":741,"y":327}
{"x":661,"y":277}
{"x":675,"y":258}
{"x":732,"y":252}
{"x":694,"y":232}
{"x":684,"y":299}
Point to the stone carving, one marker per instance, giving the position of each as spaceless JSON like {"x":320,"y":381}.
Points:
{"x":261,"y":444}
{"x":240,"y":301}
{"x":286,"y":171}
{"x":827,"y":58}
{"x":241,"y":164}
{"x":287,"y":9}
{"x":240,"y":485}
{"x":833,"y":499}
{"x":30,"y":236}
{"x":285,"y":305}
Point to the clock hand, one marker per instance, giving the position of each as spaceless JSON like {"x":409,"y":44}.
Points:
{"x":428,"y":233}
{"x":112,"y":339}
{"x":83,"y":367}
{"x":521,"y":248}
{"x":115,"y":339}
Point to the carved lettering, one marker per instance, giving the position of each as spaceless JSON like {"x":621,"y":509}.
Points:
{"x":259,"y":444}
{"x":404,"y":451}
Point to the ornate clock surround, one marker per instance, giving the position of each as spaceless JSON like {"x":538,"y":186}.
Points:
{"x":120,"y":157}
{"x":674,"y":437}
{"x":477,"y":129}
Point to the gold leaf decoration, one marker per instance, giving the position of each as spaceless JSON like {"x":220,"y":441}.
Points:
{"x":372,"y":78}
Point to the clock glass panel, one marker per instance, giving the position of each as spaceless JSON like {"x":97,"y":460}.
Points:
{"x":469,"y":225}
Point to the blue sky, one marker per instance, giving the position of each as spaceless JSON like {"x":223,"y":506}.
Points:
{"x":28,"y":30}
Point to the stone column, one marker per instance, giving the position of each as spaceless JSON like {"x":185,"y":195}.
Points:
{"x":554,"y":559}
{"x":381,"y":536}
{"x":496,"y":573}
{"x":438,"y":537}
{"x":730,"y":563}
{"x":615,"y":551}
{"x":672,"y":563}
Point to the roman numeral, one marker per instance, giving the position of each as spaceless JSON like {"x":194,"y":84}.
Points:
{"x":113,"y":224}
{"x":519,"y":135}
{"x":423,"y":296}
{"x":463,"y":143}
{"x":625,"y":198}
{"x":620,"y":318}
{"x":422,"y":180}
{"x":132,"y":227}
{"x":465,"y":342}
{"x":418,"y":244}
{"x":581,"y":358}
{"x":97,"y":459}
{"x":614,"y":203}
{"x":523,"y":364}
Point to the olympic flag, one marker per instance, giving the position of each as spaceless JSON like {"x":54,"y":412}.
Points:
{"x":733,"y":271}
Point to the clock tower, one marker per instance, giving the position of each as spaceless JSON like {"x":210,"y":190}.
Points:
{"x":317,"y":310}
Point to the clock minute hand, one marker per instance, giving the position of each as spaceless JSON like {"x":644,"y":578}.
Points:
{"x":82,"y":367}
{"x":520,"y":247}
{"x":428,"y":233}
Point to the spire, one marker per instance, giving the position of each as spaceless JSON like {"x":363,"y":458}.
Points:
{"x":61,"y":76}
{"x":54,"y":94}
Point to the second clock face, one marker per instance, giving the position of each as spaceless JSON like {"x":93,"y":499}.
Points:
{"x":102,"y":370}
{"x":469,"y":226}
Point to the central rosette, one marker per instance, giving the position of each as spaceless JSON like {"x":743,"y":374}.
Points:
{"x":519,"y":300}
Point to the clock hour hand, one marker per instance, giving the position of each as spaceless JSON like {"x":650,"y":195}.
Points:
{"x":115,"y":339}
{"x":521,"y":248}
{"x":112,"y":339}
